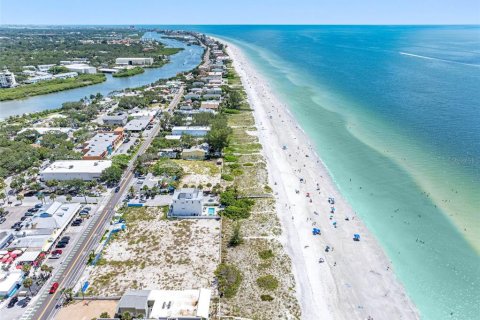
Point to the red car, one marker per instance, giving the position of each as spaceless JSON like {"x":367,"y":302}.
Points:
{"x":54,"y":287}
{"x":58,"y":251}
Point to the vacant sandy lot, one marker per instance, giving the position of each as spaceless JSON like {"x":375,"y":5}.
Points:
{"x":86,"y":310}
{"x":199,"y":172}
{"x":158,"y":253}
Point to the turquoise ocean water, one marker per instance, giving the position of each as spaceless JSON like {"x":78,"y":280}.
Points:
{"x":395,"y":115}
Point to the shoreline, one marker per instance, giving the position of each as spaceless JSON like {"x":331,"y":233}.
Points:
{"x":341,"y":287}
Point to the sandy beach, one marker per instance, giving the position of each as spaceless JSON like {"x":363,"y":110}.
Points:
{"x":355,"y":279}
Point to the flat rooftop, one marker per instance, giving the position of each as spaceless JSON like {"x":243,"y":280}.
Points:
{"x":184,"y":303}
{"x":78,"y":166}
{"x":188,"y":194}
{"x":137,"y":124}
{"x":100,"y":142}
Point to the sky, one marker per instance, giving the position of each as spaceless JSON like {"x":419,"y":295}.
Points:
{"x":239,"y":12}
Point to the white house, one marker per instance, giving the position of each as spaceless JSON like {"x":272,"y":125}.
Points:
{"x":75,"y":169}
{"x":167,"y":304}
{"x":187,"y":202}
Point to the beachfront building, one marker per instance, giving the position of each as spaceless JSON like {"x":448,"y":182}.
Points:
{"x":195,"y":131}
{"x":102,"y":144}
{"x":134,"y":61}
{"x":85,"y":170}
{"x":166,"y":304}
{"x":81,"y":68}
{"x":7,"y":79}
{"x":119,"y":119}
{"x":187,"y":202}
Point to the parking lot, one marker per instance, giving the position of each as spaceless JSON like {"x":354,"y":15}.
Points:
{"x":72,"y":232}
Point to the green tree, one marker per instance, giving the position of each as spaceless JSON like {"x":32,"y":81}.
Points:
{"x":3,"y":196}
{"x":41,"y":197}
{"x":126,"y":316}
{"x":112,"y":175}
{"x":53,"y":196}
{"x":20,"y":198}
{"x":69,"y":198}
{"x":236,"y":238}
{"x":26,"y":268}
{"x":229,"y":279}
{"x":104,"y":315}
{"x":68,"y":294}
{"x":27,"y":283}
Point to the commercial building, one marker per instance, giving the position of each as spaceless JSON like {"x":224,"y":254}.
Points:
{"x":42,"y":230}
{"x":85,"y":170}
{"x":138,"y":124}
{"x":102,"y":144}
{"x":81,"y":68}
{"x":166,"y":304}
{"x":45,"y":67}
{"x":7,"y":79}
{"x":187,"y":202}
{"x":9,"y":282}
{"x":134,"y":61}
{"x":119,"y":119}
{"x":191,"y":130}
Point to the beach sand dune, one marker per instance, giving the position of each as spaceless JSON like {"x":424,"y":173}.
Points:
{"x":355,"y":279}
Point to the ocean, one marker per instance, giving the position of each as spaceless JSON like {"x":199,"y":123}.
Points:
{"x":394,"y":112}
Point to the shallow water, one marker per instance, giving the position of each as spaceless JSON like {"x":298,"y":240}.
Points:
{"x":395,"y":115}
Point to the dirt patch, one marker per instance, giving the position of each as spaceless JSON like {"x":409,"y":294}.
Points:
{"x":87,"y":310}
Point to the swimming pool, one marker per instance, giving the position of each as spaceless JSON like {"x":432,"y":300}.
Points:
{"x":211,"y":211}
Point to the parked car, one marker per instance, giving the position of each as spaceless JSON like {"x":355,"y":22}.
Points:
{"x":117,"y":189}
{"x":12,"y":302}
{"x":23,"y":218}
{"x":54,"y":256}
{"x":58,"y":251}
{"x":28,"y":214}
{"x":61,"y":245}
{"x":66,"y":237}
{"x":54,"y":288}
{"x":26,"y":301}
{"x":38,"y":205}
{"x":2,"y":220}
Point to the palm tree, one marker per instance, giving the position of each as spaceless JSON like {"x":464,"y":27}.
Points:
{"x":26,"y":268}
{"x":131,"y":191}
{"x":27,"y":283}
{"x":69,"y":198}
{"x":83,"y":191}
{"x":68,"y":293}
{"x":3,"y":196}
{"x":20,"y":198}
{"x":52,"y":196}
{"x":41,"y":197}
{"x":126,"y":316}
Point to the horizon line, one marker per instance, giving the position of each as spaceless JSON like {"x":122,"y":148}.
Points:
{"x":242,"y":24}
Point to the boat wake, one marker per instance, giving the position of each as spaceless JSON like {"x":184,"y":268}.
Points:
{"x":438,"y":59}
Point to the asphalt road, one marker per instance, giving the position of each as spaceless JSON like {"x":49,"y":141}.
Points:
{"x":79,"y":260}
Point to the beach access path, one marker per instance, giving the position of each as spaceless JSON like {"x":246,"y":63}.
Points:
{"x":356,"y":279}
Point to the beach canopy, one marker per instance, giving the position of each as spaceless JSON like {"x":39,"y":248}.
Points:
{"x":356,"y":237}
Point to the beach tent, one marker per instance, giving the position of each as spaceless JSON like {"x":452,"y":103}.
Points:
{"x":356,"y":237}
